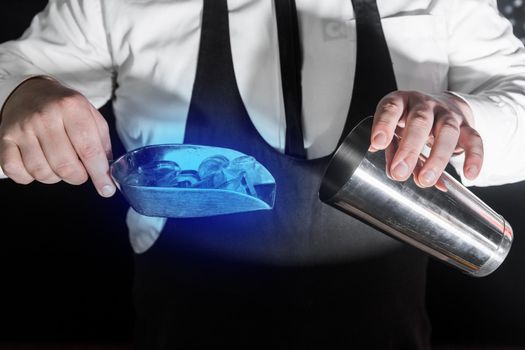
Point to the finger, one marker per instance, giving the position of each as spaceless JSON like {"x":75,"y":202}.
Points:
{"x":35,"y":162}
{"x":417,"y":171}
{"x":83,"y":134}
{"x":390,"y":151}
{"x":415,"y":135}
{"x":60,"y":153}
{"x":388,"y":113}
{"x":441,"y":185}
{"x":12,"y":164}
{"x":471,"y":142}
{"x":446,"y":135}
{"x":103,"y":132}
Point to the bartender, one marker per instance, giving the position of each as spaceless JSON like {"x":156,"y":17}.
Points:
{"x":283,"y":82}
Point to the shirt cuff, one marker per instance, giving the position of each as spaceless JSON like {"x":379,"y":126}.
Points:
{"x":143,"y":230}
{"x":492,"y":121}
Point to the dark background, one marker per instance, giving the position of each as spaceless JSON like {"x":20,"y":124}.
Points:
{"x":66,"y":264}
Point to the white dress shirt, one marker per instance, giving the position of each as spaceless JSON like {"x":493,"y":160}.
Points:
{"x":143,"y":54}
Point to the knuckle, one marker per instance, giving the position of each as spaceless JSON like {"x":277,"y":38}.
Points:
{"x":449,"y":128}
{"x":82,"y":129}
{"x":6,"y":137}
{"x":21,"y":179}
{"x":421,"y":117}
{"x":71,"y":101}
{"x":13,"y":169}
{"x":89,"y":151}
{"x":78,"y":179}
{"x":474,"y":133}
{"x":48,"y":121}
{"x":410,"y":152}
{"x":476,"y":152}
{"x":40,"y":171}
{"x":27,"y":126}
{"x":389,"y":106}
{"x":449,"y":124}
{"x":66,"y":170}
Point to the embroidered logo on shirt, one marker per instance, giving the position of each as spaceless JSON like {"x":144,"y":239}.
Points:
{"x":334,"y":30}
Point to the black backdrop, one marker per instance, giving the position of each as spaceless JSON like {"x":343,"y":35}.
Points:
{"x":66,"y":265}
{"x":65,"y":260}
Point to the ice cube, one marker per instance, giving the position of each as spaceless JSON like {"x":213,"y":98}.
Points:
{"x":158,"y":173}
{"x":212,"y":165}
{"x":247,"y":184}
{"x":166,"y":180}
{"x":187,"y":178}
{"x":213,"y":180}
{"x":234,"y":184}
{"x":243,"y":162}
{"x":161,"y":173}
{"x":238,"y":181}
{"x":211,"y":171}
{"x":248,"y":165}
{"x":159,"y":167}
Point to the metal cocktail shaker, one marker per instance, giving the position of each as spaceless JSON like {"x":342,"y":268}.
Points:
{"x":451,"y":224}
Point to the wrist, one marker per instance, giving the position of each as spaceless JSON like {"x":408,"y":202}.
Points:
{"x":17,"y":88}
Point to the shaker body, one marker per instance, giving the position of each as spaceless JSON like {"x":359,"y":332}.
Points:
{"x":450,"y":224}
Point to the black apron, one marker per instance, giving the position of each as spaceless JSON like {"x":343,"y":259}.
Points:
{"x":302,"y":275}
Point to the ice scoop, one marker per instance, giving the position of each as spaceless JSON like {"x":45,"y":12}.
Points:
{"x":152,"y":199}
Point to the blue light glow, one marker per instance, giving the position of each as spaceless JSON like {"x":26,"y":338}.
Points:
{"x":176,"y":180}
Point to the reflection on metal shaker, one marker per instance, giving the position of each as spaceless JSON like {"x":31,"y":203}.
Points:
{"x":450,"y":224}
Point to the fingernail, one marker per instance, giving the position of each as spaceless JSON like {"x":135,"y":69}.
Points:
{"x":380,"y":139}
{"x":428,"y":177}
{"x":401,"y":171}
{"x":472,"y":171}
{"x":108,"y":190}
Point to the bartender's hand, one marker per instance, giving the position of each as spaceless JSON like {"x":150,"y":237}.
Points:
{"x":442,"y":121}
{"x":50,"y":133}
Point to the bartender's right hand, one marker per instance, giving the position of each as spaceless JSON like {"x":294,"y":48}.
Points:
{"x":50,"y":133}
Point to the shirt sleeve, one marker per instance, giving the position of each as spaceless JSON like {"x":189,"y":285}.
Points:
{"x":66,"y":41}
{"x":487,"y":70}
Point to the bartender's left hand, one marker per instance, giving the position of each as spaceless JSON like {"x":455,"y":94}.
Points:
{"x":442,"y":121}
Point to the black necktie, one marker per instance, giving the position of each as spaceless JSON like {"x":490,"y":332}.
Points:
{"x":291,"y":64}
{"x":374,"y":73}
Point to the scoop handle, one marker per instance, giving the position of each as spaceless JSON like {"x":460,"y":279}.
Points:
{"x":4,"y":176}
